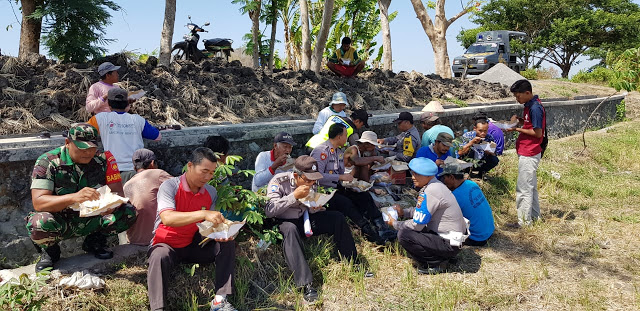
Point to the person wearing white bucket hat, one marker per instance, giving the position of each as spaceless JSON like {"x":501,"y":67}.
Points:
{"x":358,"y":159}
{"x":336,"y":107}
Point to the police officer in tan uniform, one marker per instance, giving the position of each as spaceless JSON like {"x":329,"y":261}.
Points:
{"x":330,"y":159}
{"x":407,"y":142}
{"x":284,"y":191}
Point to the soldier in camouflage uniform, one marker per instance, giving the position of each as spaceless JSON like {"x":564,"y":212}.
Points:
{"x":67,"y":175}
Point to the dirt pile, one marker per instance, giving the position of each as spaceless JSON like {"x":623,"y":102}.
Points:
{"x":38,"y":94}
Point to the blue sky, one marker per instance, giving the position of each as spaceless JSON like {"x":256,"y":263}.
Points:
{"x":139,"y":25}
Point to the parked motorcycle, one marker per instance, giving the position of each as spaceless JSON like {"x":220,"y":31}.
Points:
{"x":188,"y":49}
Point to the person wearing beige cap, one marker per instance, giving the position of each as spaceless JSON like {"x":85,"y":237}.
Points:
{"x":284,"y":192}
{"x":359,"y":159}
{"x":432,"y":125}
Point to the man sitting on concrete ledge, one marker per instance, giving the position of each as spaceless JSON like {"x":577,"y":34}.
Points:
{"x":142,"y":191}
{"x":407,"y":142}
{"x":479,"y":135}
{"x":270,"y":163}
{"x":183,"y":202}
{"x":68,"y":175}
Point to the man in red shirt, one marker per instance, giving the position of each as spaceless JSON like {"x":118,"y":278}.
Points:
{"x":183,"y":202}
{"x":529,"y":146}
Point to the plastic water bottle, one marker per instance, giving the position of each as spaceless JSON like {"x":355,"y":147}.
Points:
{"x":307,"y":224}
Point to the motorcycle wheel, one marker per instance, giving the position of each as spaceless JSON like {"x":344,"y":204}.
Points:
{"x":178,"y":54}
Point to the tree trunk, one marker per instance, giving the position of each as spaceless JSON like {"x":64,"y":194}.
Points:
{"x":167,"y":32}
{"x":30,"y":30}
{"x":321,"y":41}
{"x":441,"y":57}
{"x":387,"y":60}
{"x":274,"y":24}
{"x":306,"y":35}
{"x":437,"y":33}
{"x":255,"y":30}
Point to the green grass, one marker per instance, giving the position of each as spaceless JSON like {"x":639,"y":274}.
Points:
{"x":582,"y":256}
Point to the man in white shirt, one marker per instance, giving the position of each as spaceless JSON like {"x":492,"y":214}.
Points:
{"x":336,"y":107}
{"x":122,"y":132}
{"x":269,"y":163}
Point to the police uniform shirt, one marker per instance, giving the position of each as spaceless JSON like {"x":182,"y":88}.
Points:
{"x":407,"y":144}
{"x":330,"y":163}
{"x":437,"y":209}
{"x":282,"y":204}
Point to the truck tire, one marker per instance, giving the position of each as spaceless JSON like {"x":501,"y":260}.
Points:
{"x":457,"y":74}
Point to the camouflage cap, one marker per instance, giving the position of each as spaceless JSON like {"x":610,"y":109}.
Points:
{"x":451,"y":169}
{"x":83,"y":135}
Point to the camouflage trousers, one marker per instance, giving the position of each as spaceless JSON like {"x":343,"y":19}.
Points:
{"x":47,"y":229}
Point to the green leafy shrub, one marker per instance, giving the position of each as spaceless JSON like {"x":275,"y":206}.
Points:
{"x":530,"y":74}
{"x":596,"y":75}
{"x":237,"y":203}
{"x":23,"y":294}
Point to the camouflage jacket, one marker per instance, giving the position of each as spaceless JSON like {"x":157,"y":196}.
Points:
{"x":55,"y":171}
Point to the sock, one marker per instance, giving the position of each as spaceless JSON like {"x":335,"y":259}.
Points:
{"x":219,"y":298}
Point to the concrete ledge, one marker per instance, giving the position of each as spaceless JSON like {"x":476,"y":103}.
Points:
{"x":30,"y":148}
{"x":17,"y":155}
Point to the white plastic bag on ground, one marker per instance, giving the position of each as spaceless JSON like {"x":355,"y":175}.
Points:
{"x":81,"y":280}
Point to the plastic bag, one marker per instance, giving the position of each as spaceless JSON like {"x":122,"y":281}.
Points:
{"x":81,"y":280}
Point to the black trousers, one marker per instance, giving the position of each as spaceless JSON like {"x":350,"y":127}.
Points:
{"x":426,"y":247}
{"x":162,"y":258}
{"x":487,"y":163}
{"x":472,"y":242}
{"x":344,"y":205}
{"x":363,"y":202}
{"x":327,"y":222}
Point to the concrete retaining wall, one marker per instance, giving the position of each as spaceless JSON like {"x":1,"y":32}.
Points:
{"x":17,"y":155}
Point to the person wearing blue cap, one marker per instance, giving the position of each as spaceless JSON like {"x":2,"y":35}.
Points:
{"x":435,"y":229}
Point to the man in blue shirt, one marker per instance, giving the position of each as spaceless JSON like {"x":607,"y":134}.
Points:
{"x":438,"y":151}
{"x":473,"y":204}
{"x":479,"y":135}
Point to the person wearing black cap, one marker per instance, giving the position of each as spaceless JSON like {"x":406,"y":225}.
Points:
{"x":121,"y":132}
{"x":359,"y":118}
{"x":407,"y":142}
{"x":270,"y":163}
{"x":330,"y":159}
{"x":142,"y":191}
{"x":285,"y":190}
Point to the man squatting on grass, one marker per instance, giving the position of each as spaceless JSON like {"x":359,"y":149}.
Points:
{"x":436,"y":230}
{"x":530,"y":147}
{"x":183,"y":202}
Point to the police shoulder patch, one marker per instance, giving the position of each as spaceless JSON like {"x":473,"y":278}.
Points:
{"x":274,"y":188}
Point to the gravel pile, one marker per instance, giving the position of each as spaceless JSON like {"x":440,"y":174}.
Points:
{"x":500,"y":73}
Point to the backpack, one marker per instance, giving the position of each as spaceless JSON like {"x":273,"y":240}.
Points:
{"x":545,"y":139}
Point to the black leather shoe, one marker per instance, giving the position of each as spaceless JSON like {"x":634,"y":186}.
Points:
{"x":310,"y":293}
{"x":95,"y":244}
{"x":371,"y":235}
{"x":48,"y":257}
{"x":426,"y":269}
